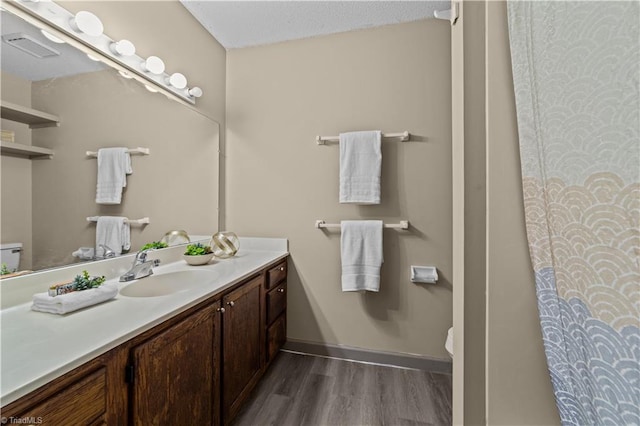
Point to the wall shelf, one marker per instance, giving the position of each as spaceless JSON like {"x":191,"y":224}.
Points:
{"x":25,"y":150}
{"x":34,"y":118}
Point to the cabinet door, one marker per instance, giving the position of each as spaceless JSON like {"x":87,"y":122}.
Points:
{"x":174,"y":380}
{"x":94,"y":393}
{"x":67,"y":408}
{"x":242,"y":344}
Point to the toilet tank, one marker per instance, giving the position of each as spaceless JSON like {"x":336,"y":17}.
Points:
{"x":10,"y":255}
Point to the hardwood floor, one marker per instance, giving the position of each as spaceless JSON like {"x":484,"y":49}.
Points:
{"x":304,"y":390}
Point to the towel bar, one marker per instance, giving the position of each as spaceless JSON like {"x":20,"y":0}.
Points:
{"x":404,"y":224}
{"x":404,"y":137}
{"x":133,"y":151}
{"x":143,"y":221}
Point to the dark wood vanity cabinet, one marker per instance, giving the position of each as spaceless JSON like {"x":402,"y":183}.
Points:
{"x":198,"y":367}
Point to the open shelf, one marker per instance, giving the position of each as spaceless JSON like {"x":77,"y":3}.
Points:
{"x":25,"y":150}
{"x":34,"y":118}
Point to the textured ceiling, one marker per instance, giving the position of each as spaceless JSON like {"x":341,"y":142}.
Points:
{"x":238,"y":24}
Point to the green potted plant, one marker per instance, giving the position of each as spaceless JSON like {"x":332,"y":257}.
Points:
{"x":154,"y":245}
{"x":198,"y":254}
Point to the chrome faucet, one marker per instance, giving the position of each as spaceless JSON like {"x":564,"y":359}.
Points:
{"x":108,"y":253}
{"x":141,"y":267}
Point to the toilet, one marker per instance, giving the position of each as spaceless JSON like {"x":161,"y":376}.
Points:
{"x":10,"y":255}
{"x":448,"y":344}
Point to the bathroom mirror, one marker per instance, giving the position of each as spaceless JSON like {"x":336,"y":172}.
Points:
{"x":46,"y":201}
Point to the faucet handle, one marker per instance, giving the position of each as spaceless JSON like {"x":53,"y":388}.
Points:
{"x":156,"y":262}
{"x":142,"y":255}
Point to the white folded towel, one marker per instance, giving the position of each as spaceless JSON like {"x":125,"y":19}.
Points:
{"x":84,"y":253}
{"x":114,"y":164}
{"x":114,"y":232}
{"x":73,"y":301}
{"x":361,"y":252}
{"x":360,"y":167}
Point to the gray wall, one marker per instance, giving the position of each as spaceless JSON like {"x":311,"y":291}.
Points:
{"x":278,"y":181}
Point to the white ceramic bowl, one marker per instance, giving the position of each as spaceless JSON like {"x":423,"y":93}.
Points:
{"x":198,"y":260}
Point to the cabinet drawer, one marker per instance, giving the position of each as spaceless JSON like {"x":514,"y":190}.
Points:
{"x":276,"y":274}
{"x":276,"y":302}
{"x":276,"y":336}
{"x":82,"y":403}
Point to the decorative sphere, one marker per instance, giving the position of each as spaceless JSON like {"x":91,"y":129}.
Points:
{"x":225,"y":244}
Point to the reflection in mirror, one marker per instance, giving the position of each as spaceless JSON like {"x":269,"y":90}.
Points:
{"x":49,"y":183}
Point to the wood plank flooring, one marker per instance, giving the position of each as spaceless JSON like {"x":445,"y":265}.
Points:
{"x":302,"y":390}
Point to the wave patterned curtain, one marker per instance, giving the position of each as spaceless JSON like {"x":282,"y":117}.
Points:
{"x":576,"y":67}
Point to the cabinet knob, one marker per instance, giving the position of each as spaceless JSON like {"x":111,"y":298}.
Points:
{"x":221,"y":310}
{"x":230,"y":303}
{"x":282,"y":268}
{"x":281,"y":290}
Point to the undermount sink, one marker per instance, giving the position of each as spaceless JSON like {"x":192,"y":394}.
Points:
{"x":168,"y":283}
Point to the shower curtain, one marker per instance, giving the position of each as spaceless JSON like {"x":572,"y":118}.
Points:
{"x":576,"y":67}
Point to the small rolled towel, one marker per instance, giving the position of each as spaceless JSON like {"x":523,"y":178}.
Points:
{"x":73,"y":301}
{"x":84,"y":253}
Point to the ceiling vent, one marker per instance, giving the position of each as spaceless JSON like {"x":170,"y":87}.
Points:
{"x":30,"y":45}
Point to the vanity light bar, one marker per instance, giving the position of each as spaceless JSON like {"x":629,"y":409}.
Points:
{"x":67,"y":23}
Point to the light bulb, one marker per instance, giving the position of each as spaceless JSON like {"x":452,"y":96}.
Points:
{"x":87,"y":23}
{"x":51,"y":37}
{"x":154,"y":65}
{"x":123,"y":48}
{"x":93,"y":58}
{"x":125,"y":74}
{"x":177,"y":80}
{"x":151,"y":89}
{"x":195,"y":92}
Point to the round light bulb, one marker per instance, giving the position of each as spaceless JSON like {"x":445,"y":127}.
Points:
{"x":151,"y":89}
{"x":195,"y":92}
{"x":51,"y":37}
{"x":154,"y":65}
{"x":125,"y":74}
{"x":87,"y":23}
{"x":123,"y":48}
{"x":93,"y":58}
{"x":177,"y":80}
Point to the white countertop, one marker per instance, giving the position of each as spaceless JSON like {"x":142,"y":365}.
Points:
{"x":38,"y":347}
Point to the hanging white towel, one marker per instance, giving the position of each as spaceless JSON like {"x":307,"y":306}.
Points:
{"x":361,"y":252}
{"x":114,"y":164}
{"x":114,"y":232}
{"x":73,"y":301}
{"x":360,"y":167}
